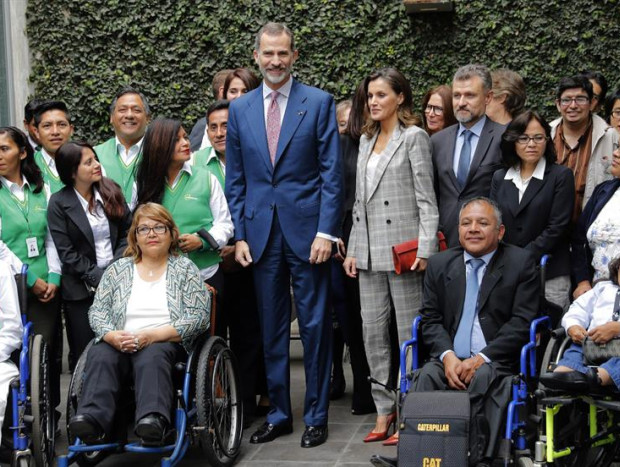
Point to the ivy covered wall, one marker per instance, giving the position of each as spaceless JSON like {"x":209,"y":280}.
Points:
{"x":85,"y":50}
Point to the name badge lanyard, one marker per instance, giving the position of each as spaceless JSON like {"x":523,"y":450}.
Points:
{"x":24,"y":208}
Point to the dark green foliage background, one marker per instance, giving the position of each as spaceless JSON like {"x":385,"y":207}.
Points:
{"x":85,"y":50}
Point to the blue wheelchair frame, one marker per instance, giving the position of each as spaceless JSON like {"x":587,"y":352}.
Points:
{"x":520,"y":390}
{"x":185,"y":414}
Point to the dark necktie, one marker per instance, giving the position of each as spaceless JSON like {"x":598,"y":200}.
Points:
{"x":464,"y":160}
{"x":273,"y":125}
{"x":462,"y":340}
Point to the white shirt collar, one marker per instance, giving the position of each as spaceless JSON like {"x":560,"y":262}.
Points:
{"x":187,"y":167}
{"x":539,"y":172}
{"x":120,"y":147}
{"x":285,"y":90}
{"x":83,"y":201}
{"x":48,"y":159}
{"x":486,"y":258}
{"x":213,"y":155}
{"x":13,"y":187}
{"x":476,"y":129}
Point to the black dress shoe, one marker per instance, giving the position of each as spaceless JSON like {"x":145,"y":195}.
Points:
{"x":314,"y":436}
{"x":382,"y":461}
{"x":566,"y":380}
{"x":85,"y":427}
{"x":152,"y":429}
{"x":268,"y":432}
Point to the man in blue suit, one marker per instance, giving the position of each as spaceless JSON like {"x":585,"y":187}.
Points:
{"x":284,"y":188}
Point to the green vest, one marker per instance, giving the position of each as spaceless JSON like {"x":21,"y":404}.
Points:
{"x":189,"y":204}
{"x":22,"y":220}
{"x":50,"y":179}
{"x":201,"y":159}
{"x":115,"y":168}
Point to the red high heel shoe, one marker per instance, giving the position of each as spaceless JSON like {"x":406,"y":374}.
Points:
{"x":381,"y":435}
{"x":392,"y":440}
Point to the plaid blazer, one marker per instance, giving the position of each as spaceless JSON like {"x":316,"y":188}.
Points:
{"x":398,"y":205}
{"x":188,"y":300}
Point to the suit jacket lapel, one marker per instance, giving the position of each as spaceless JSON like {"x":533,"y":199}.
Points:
{"x":491,"y":277}
{"x":449,"y":156}
{"x":512,"y":197}
{"x":395,"y":141}
{"x":456,"y":284}
{"x":486,"y":136}
{"x":256,"y":125}
{"x":76,"y":213}
{"x":364,"y":155}
{"x":296,"y":110}
{"x":532,"y":189}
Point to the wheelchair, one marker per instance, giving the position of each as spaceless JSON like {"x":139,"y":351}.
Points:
{"x":518,"y":442}
{"x":575,"y":429}
{"x":29,"y":410}
{"x":209,"y":409}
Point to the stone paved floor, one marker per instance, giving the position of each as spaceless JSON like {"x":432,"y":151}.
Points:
{"x":343,"y":448}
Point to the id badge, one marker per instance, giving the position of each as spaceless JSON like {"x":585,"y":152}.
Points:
{"x":32,"y":247}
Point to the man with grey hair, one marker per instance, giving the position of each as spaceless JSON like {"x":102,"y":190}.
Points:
{"x":479,"y":300}
{"x":284,"y":189}
{"x":466,"y":154}
{"x":120,"y":155}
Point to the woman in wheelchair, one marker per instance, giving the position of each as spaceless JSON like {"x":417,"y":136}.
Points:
{"x":10,"y":333}
{"x":594,"y":315}
{"x":146,"y":304}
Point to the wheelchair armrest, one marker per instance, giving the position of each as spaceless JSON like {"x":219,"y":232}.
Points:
{"x":413,"y":343}
{"x":558,"y":333}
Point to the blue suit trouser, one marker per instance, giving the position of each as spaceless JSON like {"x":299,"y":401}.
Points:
{"x":311,"y":282}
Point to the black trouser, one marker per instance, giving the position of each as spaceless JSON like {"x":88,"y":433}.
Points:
{"x":79,"y":333}
{"x":245,"y":336}
{"x":45,"y":318}
{"x":108,"y":372}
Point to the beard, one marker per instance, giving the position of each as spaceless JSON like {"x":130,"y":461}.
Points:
{"x":275,"y":79}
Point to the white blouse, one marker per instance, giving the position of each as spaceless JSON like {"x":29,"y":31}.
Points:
{"x":371,"y":169}
{"x":101,"y":229}
{"x":147,"y":307}
{"x":603,"y":237}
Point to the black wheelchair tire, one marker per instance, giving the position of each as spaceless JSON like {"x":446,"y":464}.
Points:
{"x":43,"y":425}
{"x":217,"y":376}
{"x":75,"y":390}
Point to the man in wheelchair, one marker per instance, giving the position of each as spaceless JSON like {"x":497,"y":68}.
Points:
{"x":479,"y":300}
{"x":10,"y":333}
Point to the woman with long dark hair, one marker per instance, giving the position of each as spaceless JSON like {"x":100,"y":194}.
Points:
{"x":88,"y":220}
{"x":239,"y":82}
{"x":193,"y":196}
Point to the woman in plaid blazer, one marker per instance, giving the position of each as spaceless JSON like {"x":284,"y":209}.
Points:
{"x":395,"y":202}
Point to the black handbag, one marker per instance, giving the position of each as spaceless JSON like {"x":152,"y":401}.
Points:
{"x":596,"y":354}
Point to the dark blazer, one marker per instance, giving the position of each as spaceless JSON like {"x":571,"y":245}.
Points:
{"x":197,"y":133}
{"x":508,"y":301}
{"x":304,"y":185}
{"x":75,"y":243}
{"x":541,"y":222}
{"x":581,"y":254}
{"x":450,"y":195}
{"x":350,"y":149}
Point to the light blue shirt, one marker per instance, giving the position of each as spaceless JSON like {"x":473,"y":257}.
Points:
{"x":475,"y":137}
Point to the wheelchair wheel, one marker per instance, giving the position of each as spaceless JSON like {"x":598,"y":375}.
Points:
{"x":84,"y":459}
{"x":599,"y":456}
{"x":40,"y":404}
{"x":219,"y":403}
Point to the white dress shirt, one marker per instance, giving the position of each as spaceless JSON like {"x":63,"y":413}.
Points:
{"x":128,"y":155}
{"x":514,"y":174}
{"x":49,"y":161}
{"x":476,"y":129}
{"x":53,"y":260}
{"x":593,"y":308}
{"x":222,"y":228}
{"x":100,"y":226}
{"x":10,"y":317}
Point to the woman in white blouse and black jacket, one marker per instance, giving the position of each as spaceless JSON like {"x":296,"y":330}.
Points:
{"x":88,"y":220}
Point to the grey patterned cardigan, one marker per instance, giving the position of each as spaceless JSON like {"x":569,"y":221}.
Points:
{"x":188,"y":300}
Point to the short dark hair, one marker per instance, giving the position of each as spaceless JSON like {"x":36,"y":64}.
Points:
{"x":614,"y":266}
{"x":246,"y":76}
{"x":475,"y":69}
{"x":273,"y":29}
{"x":609,"y":103}
{"x":218,"y":81}
{"x":130,"y":90}
{"x":515,"y":129}
{"x":509,"y":83}
{"x":46,"y":106}
{"x":571,"y":82}
{"x":217,"y":105}
{"x":483,"y":199}
{"x":600,"y":79}
{"x":30,"y":108}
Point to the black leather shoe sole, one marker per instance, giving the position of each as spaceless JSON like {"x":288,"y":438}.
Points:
{"x":314,"y":436}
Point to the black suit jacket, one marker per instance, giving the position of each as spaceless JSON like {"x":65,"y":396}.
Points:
{"x":541,"y":222}
{"x":75,"y":243}
{"x":450,"y":195}
{"x":508,"y":301}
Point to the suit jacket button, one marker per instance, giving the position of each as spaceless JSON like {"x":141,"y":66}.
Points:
{"x":387,"y":203}
{"x":275,"y":185}
{"x":389,"y":221}
{"x":357,"y":219}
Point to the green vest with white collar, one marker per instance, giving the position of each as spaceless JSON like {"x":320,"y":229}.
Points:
{"x":115,"y":167}
{"x":51,"y":180}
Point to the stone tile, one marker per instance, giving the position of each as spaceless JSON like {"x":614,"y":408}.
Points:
{"x":326,"y":454}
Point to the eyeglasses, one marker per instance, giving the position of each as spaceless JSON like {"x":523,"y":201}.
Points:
{"x":525,"y":139}
{"x":579,"y":100}
{"x":615,"y":113}
{"x":433,"y":108}
{"x":144,"y":230}
{"x":595,"y":96}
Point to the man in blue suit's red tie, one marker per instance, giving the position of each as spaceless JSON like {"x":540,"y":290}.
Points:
{"x":284,"y":188}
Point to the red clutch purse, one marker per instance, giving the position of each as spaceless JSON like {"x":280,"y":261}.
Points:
{"x":404,"y":254}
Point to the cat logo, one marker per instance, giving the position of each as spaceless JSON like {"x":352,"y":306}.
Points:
{"x":188,"y":196}
{"x":431,"y":462}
